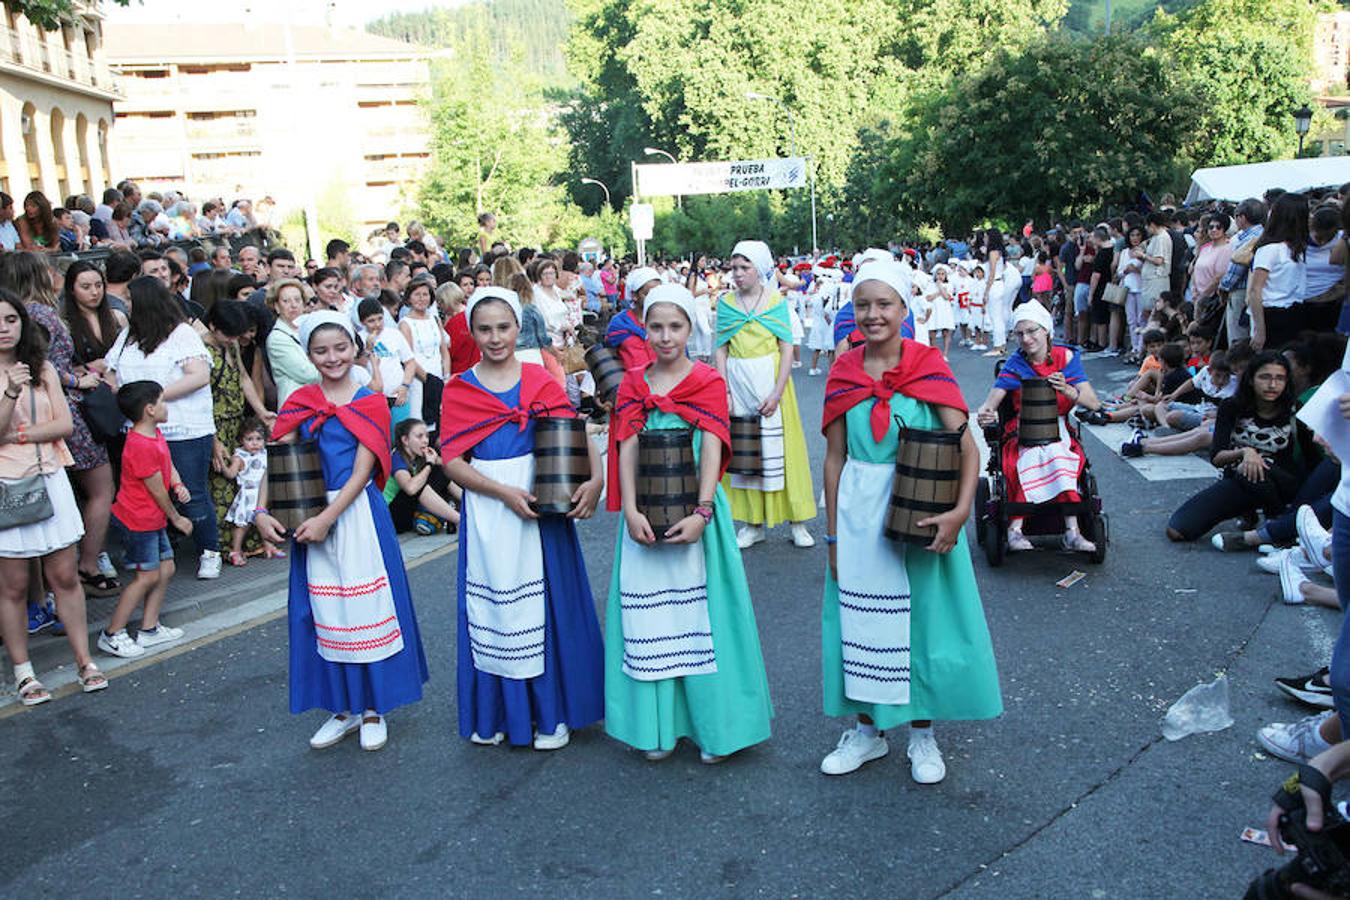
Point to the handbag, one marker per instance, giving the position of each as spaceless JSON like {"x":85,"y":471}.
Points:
{"x":24,"y":501}
{"x":1115,"y":294}
{"x":99,"y":408}
{"x":574,"y":359}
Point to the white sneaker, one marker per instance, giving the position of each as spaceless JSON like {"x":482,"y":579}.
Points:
{"x":853,"y":750}
{"x":208,"y":566}
{"x":105,"y":566}
{"x":555,"y":741}
{"x":925,"y":759}
{"x":1313,"y":538}
{"x":749,"y":536}
{"x":119,"y":644}
{"x":334,"y":730}
{"x":801,"y":537}
{"x":1271,"y":562}
{"x":709,"y":759}
{"x":1291,"y":577}
{"x":164,"y":634}
{"x":374,"y":731}
{"x":1295,"y":742}
{"x":487,"y":741}
{"x":813,"y":372}
{"x":658,"y":755}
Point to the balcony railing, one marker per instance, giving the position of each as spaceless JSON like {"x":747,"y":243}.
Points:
{"x":36,"y":55}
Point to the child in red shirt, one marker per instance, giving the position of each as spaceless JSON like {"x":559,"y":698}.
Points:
{"x":140,"y":513}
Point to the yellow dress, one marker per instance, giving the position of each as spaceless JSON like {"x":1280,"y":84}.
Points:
{"x":797,"y":501}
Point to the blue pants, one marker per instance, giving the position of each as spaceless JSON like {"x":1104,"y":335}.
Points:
{"x":1315,"y":492}
{"x":1340,"y":656}
{"x":192,"y":459}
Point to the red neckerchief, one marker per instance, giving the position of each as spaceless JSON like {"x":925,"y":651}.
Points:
{"x":470,"y":413}
{"x":922,"y":373}
{"x":366,"y":417}
{"x":700,"y":399}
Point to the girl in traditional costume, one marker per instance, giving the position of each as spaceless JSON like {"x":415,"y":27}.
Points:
{"x":754,"y":355}
{"x":626,"y":333}
{"x":682,"y":651}
{"x":354,"y":643}
{"x":1049,"y":472}
{"x":531,"y":665}
{"x":903,"y":634}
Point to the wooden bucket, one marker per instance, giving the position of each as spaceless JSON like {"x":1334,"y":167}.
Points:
{"x":927,"y":481}
{"x":1038,"y":421}
{"x":295,"y":488}
{"x":607,"y":370}
{"x":561,"y":463}
{"x":667,"y":479}
{"x":746,"y":448}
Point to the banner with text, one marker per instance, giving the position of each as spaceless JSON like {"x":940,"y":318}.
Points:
{"x":671,"y":179}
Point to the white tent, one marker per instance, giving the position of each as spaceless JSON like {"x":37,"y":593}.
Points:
{"x":1254,"y":179}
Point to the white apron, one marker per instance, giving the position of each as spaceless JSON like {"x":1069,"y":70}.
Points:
{"x":504,"y":577}
{"x":349,"y":595}
{"x":750,"y":381}
{"x":873,"y":589}
{"x":1049,"y":470}
{"x":663,"y":597}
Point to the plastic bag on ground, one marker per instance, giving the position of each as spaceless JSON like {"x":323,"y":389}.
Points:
{"x":1203,"y":708}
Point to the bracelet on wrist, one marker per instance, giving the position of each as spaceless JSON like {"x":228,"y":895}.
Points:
{"x":831,"y":539}
{"x":13,"y":396}
{"x":261,"y":510}
{"x":704,"y":512}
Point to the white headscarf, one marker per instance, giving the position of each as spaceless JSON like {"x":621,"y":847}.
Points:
{"x":638,"y":277}
{"x":1036,"y":314}
{"x":892,"y":274}
{"x":760,"y":256}
{"x":307,"y":324}
{"x":872,"y":254}
{"x":492,"y":293}
{"x":676,"y":294}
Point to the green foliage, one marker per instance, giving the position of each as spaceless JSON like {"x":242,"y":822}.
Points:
{"x":530,"y":33}
{"x":1089,"y":16}
{"x":1247,"y":62}
{"x":50,"y":15}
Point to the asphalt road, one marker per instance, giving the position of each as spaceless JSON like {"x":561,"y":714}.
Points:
{"x":190,"y":778}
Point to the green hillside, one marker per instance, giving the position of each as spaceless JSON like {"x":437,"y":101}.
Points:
{"x":1089,"y":16}
{"x":536,"y":29}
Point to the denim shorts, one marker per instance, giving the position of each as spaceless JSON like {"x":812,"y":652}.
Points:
{"x":1082,"y":297}
{"x":1191,"y":417}
{"x":143,"y":550}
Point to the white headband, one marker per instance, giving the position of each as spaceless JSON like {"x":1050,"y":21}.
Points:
{"x":674,"y":294}
{"x":510,"y":298}
{"x":310,"y":322}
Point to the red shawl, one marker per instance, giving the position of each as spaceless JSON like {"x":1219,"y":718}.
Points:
{"x":922,"y":373}
{"x":463,"y":351}
{"x":470,"y":413}
{"x":366,"y":417}
{"x":635,"y":353}
{"x":700,"y":399}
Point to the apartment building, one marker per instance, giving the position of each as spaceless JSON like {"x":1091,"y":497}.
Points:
{"x":56,"y":106}
{"x":254,"y":109}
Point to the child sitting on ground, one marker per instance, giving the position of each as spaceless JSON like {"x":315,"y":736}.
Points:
{"x":1200,"y":340}
{"x":140,"y":513}
{"x":419,"y":495}
{"x":248,"y":467}
{"x":1212,"y":383}
{"x":1198,"y":438}
{"x":1147,"y":389}
{"x":1168,"y":317}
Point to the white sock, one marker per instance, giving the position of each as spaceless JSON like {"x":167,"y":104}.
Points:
{"x":917,"y":732}
{"x":868,"y":730}
{"x":22,"y":671}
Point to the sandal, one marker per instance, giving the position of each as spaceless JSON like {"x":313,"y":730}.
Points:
{"x":91,"y":679}
{"x":237,"y":559}
{"x":32,"y":692}
{"x":1074,"y":541}
{"x":271,"y":551}
{"x":100,"y":585}
{"x":1018,"y":541}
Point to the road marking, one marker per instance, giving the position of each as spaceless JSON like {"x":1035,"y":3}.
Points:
{"x":1153,"y":468}
{"x":200,"y":633}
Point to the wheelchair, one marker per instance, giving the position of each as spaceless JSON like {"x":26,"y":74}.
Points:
{"x":993,"y":509}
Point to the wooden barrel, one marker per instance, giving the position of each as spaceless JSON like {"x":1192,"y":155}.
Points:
{"x":667,"y":479}
{"x":295,"y":489}
{"x":746,"y":453}
{"x":561,"y":464}
{"x":927,"y":480}
{"x":1038,"y":421}
{"x":607,"y":370}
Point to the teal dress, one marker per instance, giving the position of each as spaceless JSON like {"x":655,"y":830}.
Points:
{"x":722,"y":711}
{"x":952,"y":671}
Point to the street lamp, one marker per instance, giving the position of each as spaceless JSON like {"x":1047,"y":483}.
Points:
{"x":1302,"y":122}
{"x":657,"y":151}
{"x":601,"y":185}
{"x":792,"y":138}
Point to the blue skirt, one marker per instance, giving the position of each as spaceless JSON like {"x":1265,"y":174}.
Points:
{"x":354,"y":688}
{"x":572,"y":689}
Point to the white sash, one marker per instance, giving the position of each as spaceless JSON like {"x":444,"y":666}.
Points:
{"x":349,"y":596}
{"x":750,"y":381}
{"x":663,"y":596}
{"x":504,"y":582}
{"x":1049,"y":470}
{"x":873,"y":589}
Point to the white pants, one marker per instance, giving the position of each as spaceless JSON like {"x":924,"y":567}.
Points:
{"x":999,"y":303}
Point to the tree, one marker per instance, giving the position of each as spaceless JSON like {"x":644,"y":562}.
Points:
{"x":1022,"y":138}
{"x":1247,"y":62}
{"x":50,"y":15}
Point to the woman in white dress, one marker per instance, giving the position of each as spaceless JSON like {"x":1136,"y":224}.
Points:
{"x":821,"y":305}
{"x":429,"y":342}
{"x":543,"y":272}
